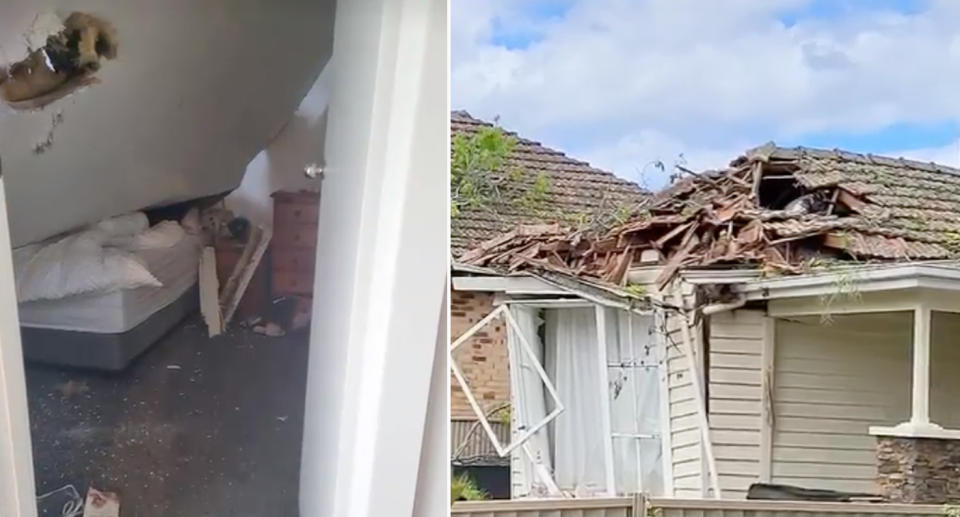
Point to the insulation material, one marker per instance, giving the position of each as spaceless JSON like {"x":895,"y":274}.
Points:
{"x":67,"y":60}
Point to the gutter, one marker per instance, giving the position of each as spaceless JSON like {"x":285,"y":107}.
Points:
{"x":724,"y":307}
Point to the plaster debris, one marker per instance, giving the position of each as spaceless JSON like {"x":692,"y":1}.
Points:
{"x":71,"y":389}
{"x":101,"y":504}
{"x":66,"y":62}
{"x":209,"y":286}
{"x":270,"y":329}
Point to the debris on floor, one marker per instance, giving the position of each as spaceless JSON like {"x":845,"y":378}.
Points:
{"x":71,"y":389}
{"x":154,"y":435}
{"x":101,"y":504}
{"x":777,"y":209}
{"x":292,"y":312}
{"x":62,"y":502}
{"x":236,"y":285}
{"x":209,"y":287}
{"x":270,"y":329}
{"x":67,"y":61}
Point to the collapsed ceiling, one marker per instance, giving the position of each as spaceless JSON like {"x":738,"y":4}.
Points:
{"x":781,"y":210}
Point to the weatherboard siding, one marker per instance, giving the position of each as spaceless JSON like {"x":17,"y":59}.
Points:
{"x":735,"y":344}
{"x":685,"y":444}
{"x":832,"y":382}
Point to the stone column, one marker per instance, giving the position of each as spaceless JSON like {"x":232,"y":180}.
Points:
{"x":918,"y":470}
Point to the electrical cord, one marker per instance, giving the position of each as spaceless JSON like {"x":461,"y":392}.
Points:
{"x":73,"y":507}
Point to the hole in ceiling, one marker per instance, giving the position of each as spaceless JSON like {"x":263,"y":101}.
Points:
{"x":67,"y":61}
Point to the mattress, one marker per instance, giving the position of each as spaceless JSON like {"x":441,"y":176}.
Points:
{"x":119,"y":311}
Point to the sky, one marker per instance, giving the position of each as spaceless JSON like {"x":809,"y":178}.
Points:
{"x":625,"y":84}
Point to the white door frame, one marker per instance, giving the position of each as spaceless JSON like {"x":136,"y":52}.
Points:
{"x":381,"y":264}
{"x":16,"y":453}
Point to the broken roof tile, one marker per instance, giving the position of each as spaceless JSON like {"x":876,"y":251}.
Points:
{"x":841,"y":206}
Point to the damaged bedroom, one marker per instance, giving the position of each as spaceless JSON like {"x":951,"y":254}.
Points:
{"x":162,"y":165}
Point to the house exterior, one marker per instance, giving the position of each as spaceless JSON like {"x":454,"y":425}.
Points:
{"x":802,"y":309}
{"x":569,"y":188}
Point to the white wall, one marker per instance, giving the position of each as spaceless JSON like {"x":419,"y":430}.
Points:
{"x":280,"y":166}
{"x":198,"y":89}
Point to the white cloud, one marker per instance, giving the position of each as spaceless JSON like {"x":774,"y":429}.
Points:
{"x":648,"y":157}
{"x":945,"y":155}
{"x":622,"y":83}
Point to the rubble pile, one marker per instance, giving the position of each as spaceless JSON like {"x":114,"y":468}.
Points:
{"x":776,"y":209}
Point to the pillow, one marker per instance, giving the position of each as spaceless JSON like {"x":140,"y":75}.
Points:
{"x":123,"y":225}
{"x":166,"y":234}
{"x":76,"y":264}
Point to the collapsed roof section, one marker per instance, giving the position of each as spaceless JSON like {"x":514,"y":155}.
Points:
{"x":782,"y":210}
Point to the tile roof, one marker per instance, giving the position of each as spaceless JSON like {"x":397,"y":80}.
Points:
{"x":902,"y":199}
{"x":785,"y":210}
{"x":575,"y":187}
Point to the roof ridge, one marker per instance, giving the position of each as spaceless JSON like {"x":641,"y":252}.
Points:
{"x":464,"y":114}
{"x":771,"y":148}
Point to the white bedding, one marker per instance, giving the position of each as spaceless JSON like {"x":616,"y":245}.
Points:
{"x":121,"y":310}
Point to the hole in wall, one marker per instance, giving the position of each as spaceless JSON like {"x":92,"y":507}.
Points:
{"x":67,"y":61}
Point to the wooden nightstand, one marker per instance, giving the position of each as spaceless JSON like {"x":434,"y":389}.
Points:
{"x":294,"y":244}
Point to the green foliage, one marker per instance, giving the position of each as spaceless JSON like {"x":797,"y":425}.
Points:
{"x":637,"y":290}
{"x":604,"y":217}
{"x":463,"y":488}
{"x":474,"y":161}
{"x":503,"y":415}
{"x":953,"y":243}
{"x":534,"y":199}
{"x":480,"y":178}
{"x":846,"y":284}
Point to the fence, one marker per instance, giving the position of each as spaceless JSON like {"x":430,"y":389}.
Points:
{"x":637,"y":506}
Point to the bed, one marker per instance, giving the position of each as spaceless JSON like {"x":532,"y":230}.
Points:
{"x":107,"y":331}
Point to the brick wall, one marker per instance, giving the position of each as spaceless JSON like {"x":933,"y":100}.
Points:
{"x":483,"y":358}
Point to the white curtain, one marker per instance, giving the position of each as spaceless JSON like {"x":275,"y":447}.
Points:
{"x":577,"y":438}
{"x":528,"y":406}
{"x":572,"y":358}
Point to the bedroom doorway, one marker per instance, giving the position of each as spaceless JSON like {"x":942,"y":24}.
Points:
{"x":189,"y":405}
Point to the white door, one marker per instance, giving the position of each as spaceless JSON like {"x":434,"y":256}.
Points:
{"x":16,"y":456}
{"x":381,"y":262}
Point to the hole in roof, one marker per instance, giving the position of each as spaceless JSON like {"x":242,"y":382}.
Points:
{"x":67,"y":60}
